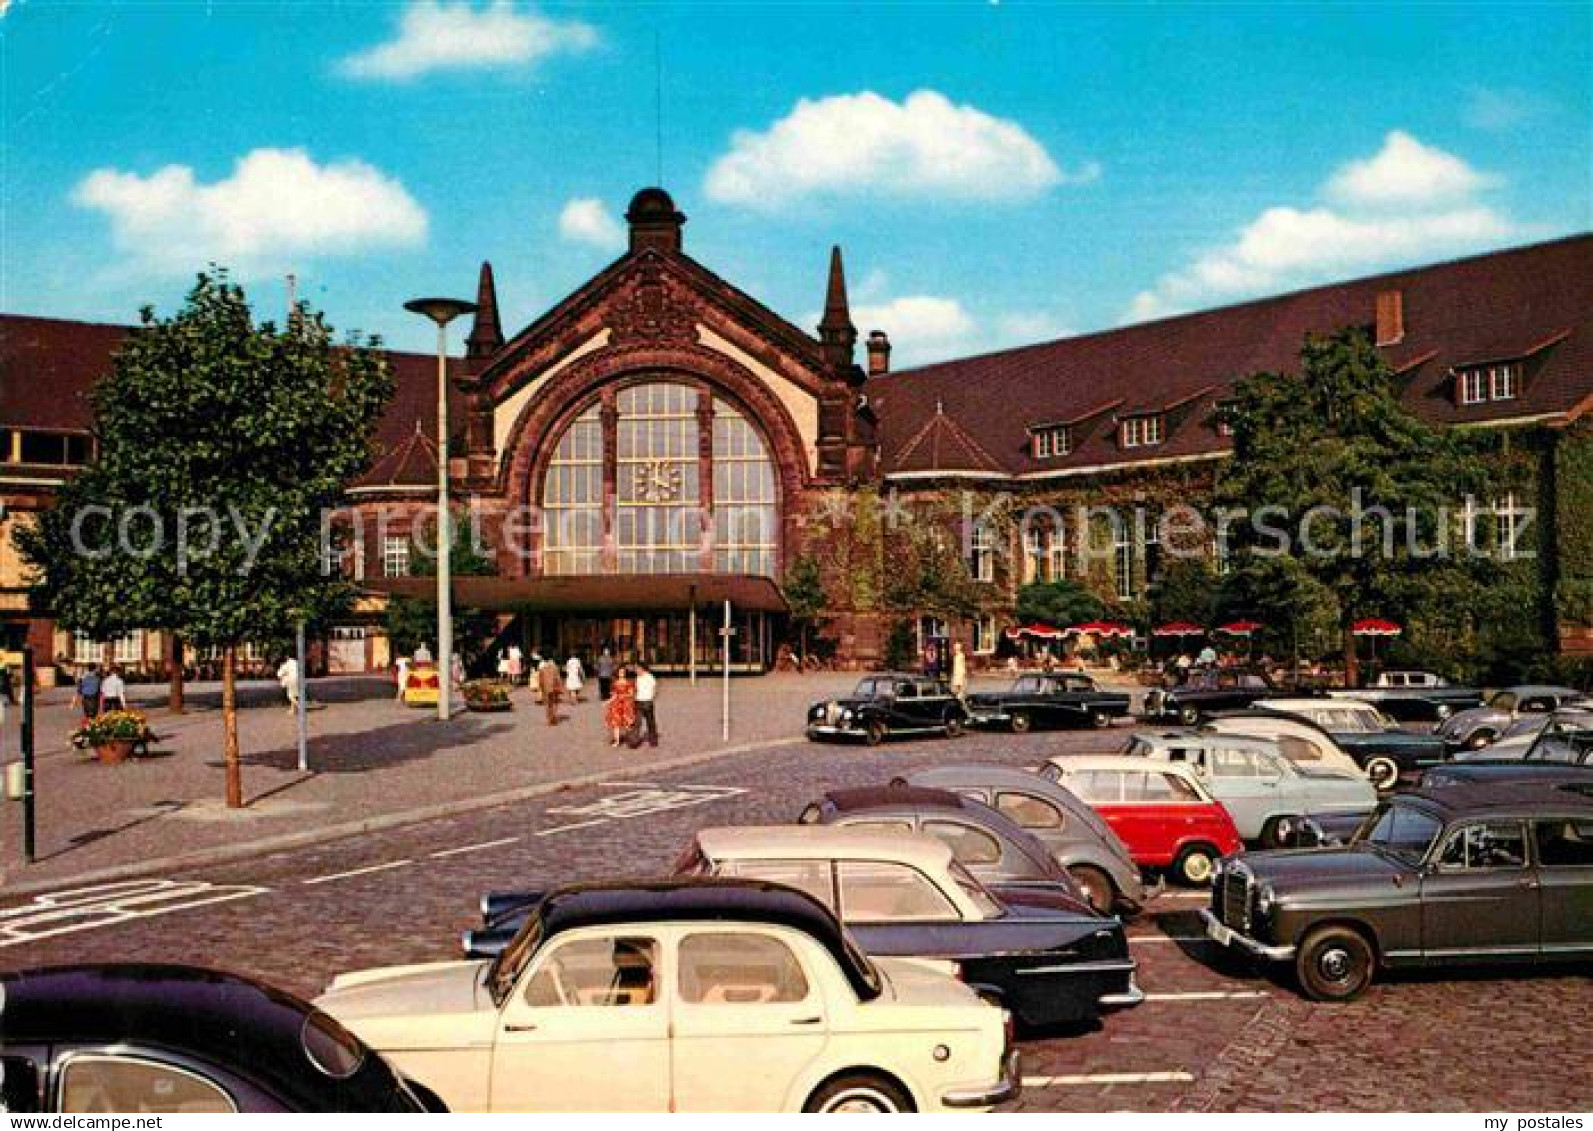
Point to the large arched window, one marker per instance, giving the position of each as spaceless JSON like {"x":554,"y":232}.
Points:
{"x":662,"y":434}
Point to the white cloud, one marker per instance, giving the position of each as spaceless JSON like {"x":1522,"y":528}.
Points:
{"x":920,"y":326}
{"x":437,"y":36}
{"x":587,"y":220}
{"x":1404,"y":172}
{"x":857,"y":144}
{"x":1025,"y":327}
{"x":1501,"y":108}
{"x":1407,"y":202}
{"x":278,"y":203}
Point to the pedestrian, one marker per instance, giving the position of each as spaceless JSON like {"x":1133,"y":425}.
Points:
{"x":516,"y":664}
{"x":456,"y":670}
{"x":288,"y":677}
{"x":7,"y":689}
{"x":549,"y":684}
{"x":620,"y":714}
{"x":1207,"y":657}
{"x":605,"y":674}
{"x":87,"y":694}
{"x":503,"y":665}
{"x":113,"y":692}
{"x":403,"y":677}
{"x":646,"y":698}
{"x":574,"y":677}
{"x":422,"y":653}
{"x":959,"y":670}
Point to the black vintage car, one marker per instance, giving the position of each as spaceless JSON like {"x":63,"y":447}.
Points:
{"x":1206,"y":692}
{"x":133,"y":1038}
{"x":1061,"y":700}
{"x":1562,"y":751}
{"x":1420,"y":697}
{"x":887,"y":704}
{"x":1493,"y":873}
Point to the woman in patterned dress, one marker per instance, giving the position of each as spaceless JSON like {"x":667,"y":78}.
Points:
{"x":620,"y":714}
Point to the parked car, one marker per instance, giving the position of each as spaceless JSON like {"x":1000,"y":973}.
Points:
{"x":1561,"y":751}
{"x":1264,"y":793}
{"x":1299,"y":740}
{"x":1205,"y":692}
{"x":1374,"y":740}
{"x":1063,"y":699}
{"x":178,"y":1039}
{"x":1495,"y":873}
{"x":1482,"y":725}
{"x":638,"y":997}
{"x":1071,"y":831}
{"x":983,"y":841}
{"x":1044,"y":955}
{"x":1519,"y":736}
{"x":1163,"y":813}
{"x":884,"y":705}
{"x":1415,"y":696}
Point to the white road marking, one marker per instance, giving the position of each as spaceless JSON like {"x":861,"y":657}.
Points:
{"x":82,"y":909}
{"x":1097,"y":1078}
{"x":647,"y":800}
{"x":462,"y":849}
{"x":1208,"y":995}
{"x":567,"y":828}
{"x":1167,"y":938}
{"x":358,"y":872}
{"x":1185,"y":895}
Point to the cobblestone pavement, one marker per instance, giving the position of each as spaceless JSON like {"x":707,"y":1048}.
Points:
{"x":1213,"y":1036}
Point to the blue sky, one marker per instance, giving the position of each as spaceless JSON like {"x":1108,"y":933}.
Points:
{"x":996,"y":173}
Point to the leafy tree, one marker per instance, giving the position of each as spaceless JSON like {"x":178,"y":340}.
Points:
{"x":1185,"y":589}
{"x":1363,"y":492}
{"x":222,"y":444}
{"x":412,"y":620}
{"x":804,"y":593}
{"x":901,"y":653}
{"x":1058,"y":603}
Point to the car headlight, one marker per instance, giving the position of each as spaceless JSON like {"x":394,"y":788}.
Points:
{"x":1265,"y":899}
{"x":846,"y":714}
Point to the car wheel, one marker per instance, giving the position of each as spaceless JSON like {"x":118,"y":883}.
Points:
{"x":859,"y":1094}
{"x":1383,"y":772}
{"x":1334,"y":964}
{"x":1278,"y":831}
{"x":875,"y":733}
{"x":1096,"y":886}
{"x":1195,"y":864}
{"x":953,"y":726}
{"x":1021,"y":722}
{"x":1189,"y":715}
{"x":1100,"y":719}
{"x":1478,"y":739}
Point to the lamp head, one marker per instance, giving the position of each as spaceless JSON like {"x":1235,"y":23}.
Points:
{"x":440,"y":310}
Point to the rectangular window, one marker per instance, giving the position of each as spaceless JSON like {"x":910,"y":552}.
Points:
{"x":1142,"y":431}
{"x":1473,"y":386}
{"x":1042,"y":444}
{"x":984,"y":630}
{"x":395,"y":556}
{"x":1124,"y":560}
{"x":982,"y":556}
{"x":1504,"y":382}
{"x":1034,"y":539}
{"x":1507,"y":527}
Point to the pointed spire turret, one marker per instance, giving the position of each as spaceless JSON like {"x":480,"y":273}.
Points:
{"x":836,"y":331}
{"x":486,"y":332}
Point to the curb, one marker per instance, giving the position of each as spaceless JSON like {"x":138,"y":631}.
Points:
{"x":233,"y":853}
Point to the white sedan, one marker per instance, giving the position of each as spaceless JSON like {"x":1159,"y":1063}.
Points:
{"x":713,"y":995}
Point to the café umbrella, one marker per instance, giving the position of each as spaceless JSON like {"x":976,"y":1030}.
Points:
{"x":1372,"y":628}
{"x":1036,"y":630}
{"x":1240,"y":628}
{"x":1178,"y":628}
{"x":1099,"y":628}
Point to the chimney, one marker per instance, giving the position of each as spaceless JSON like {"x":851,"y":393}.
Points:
{"x":879,"y":353}
{"x":1390,"y":317}
{"x":655,"y":221}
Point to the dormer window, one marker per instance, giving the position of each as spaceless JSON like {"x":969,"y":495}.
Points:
{"x":1052,"y":441}
{"x":1483,"y":383}
{"x":1142,"y":431}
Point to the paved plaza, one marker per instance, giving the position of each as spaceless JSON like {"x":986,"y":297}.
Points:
{"x":1213,"y":1035}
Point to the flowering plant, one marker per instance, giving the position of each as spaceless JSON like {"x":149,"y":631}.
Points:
{"x":486,"y":693}
{"x":128,"y":726}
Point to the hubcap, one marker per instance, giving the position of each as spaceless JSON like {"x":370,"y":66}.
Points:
{"x":1335,"y":964}
{"x":859,"y":1101}
{"x":1197,"y":868}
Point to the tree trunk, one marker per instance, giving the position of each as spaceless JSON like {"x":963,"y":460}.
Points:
{"x":229,"y":726}
{"x":1352,"y":662}
{"x":174,"y":698}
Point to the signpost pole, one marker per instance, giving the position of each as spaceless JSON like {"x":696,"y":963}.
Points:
{"x":724,"y":707}
{"x":303,"y":722}
{"x":27,"y":754}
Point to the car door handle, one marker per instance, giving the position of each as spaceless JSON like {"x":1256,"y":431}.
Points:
{"x":806,"y":1020}
{"x":525,"y":1028}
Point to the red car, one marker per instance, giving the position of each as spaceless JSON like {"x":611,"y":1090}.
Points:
{"x":1160,"y":811}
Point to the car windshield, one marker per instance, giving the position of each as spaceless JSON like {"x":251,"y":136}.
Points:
{"x":989,"y":907}
{"x":1351,"y":721}
{"x":1403,"y":830}
{"x":511,"y":961}
{"x":1503,"y":701}
{"x":869,"y":688}
{"x":1562,"y":743}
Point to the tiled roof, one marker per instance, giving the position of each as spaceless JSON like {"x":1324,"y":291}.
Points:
{"x":1489,"y":307}
{"x":411,"y":463}
{"x":941,"y":445}
{"x":48,"y":366}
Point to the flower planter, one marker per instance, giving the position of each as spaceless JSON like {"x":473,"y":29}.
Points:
{"x":490,"y":706}
{"x":114,"y":752}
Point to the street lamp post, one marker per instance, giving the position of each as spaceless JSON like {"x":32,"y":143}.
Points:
{"x":443,"y":311}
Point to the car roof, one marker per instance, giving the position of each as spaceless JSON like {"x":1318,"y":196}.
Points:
{"x":883,"y":796}
{"x":1210,"y":738}
{"x":703,"y":899}
{"x":1298,"y":703}
{"x":1542,"y":689}
{"x":1118,"y":762}
{"x":1269,"y":716}
{"x":896,"y":675}
{"x":982,"y":774}
{"x":1509,"y":799}
{"x":822,"y":842}
{"x":237,"y":1023}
